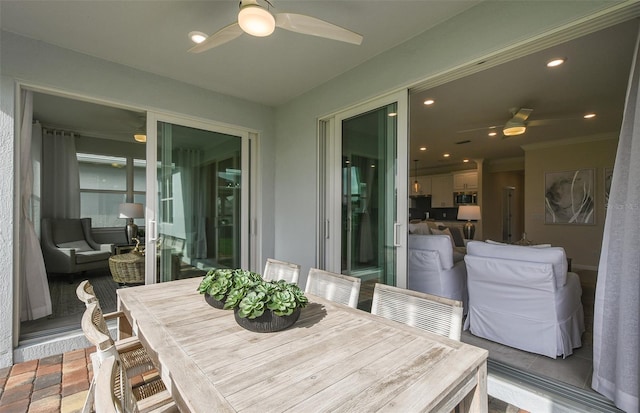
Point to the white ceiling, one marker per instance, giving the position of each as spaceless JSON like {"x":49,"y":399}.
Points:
{"x":152,"y":36}
{"x":593,"y":79}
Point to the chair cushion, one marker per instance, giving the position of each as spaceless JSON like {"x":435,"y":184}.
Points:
{"x":66,"y":230}
{"x":83,"y":257}
{"x":420,"y":228}
{"x":446,"y":232}
{"x":456,"y":233}
{"x":553,"y":255}
{"x":80,"y":245}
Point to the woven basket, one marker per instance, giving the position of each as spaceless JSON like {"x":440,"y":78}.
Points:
{"x":127,"y":268}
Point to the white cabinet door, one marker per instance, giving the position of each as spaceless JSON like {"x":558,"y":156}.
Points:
{"x":465,"y":180}
{"x":442,"y":191}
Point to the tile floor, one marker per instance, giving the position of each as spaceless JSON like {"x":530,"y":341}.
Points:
{"x":60,"y":384}
{"x":53,"y":384}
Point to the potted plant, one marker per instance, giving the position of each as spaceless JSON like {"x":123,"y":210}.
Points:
{"x":218,"y":282}
{"x":266,"y":306}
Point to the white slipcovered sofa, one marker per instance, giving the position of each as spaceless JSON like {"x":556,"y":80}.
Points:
{"x":523,"y":297}
{"x":434,"y":267}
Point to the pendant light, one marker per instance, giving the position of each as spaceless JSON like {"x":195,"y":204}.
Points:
{"x":416,"y":184}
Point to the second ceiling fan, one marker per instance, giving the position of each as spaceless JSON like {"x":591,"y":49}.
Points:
{"x":258,"y":21}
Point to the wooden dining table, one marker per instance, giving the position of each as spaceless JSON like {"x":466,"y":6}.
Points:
{"x":333,"y":359}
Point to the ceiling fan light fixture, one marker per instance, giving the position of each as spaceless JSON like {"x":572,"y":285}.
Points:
{"x":513,"y":130}
{"x":256,"y":21}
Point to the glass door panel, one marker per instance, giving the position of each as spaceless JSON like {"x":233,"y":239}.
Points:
{"x":369,"y":201}
{"x":198,"y":201}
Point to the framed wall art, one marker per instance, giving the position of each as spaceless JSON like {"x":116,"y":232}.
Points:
{"x":608,"y":176}
{"x":569,"y":197}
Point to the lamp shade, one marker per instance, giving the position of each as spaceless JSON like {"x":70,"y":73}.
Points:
{"x":131,"y":210}
{"x":469,"y":212}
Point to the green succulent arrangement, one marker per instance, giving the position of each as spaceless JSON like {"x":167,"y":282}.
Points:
{"x":247,"y":292}
{"x":218,"y":282}
{"x":253,"y":299}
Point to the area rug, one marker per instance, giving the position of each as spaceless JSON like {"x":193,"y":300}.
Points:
{"x":67,"y":308}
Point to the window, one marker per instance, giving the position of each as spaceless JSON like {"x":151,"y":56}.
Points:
{"x":105,"y":183}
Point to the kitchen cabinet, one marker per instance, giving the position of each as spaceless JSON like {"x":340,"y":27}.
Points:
{"x":442,"y":191}
{"x":463,"y":181}
{"x":425,"y":185}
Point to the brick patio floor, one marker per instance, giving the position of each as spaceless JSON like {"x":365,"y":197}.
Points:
{"x":60,"y":384}
{"x":52,"y":384}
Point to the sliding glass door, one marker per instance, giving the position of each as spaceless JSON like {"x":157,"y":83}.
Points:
{"x":366,"y":173}
{"x":197,"y":212}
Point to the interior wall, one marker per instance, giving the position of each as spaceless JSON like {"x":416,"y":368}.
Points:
{"x":581,"y":242}
{"x":493,"y":187}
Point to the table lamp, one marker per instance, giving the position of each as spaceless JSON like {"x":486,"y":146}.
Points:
{"x":131,"y":211}
{"x":469,"y":212}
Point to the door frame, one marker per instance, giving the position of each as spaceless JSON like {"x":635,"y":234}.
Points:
{"x":249,"y":207}
{"x":330,"y":182}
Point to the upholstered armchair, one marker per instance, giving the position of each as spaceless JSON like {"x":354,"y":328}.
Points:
{"x":436,"y":268}
{"x":68,"y":247}
{"x":523,"y":297}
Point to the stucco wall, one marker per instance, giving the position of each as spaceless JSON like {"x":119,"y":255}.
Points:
{"x":45,"y":66}
{"x":581,"y":242}
{"x":6,"y":222}
{"x":478,"y":32}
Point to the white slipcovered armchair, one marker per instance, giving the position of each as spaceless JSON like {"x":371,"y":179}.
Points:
{"x":435,"y":268}
{"x":523,"y":297}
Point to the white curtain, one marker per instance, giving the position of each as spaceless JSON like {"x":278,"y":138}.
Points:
{"x":60,"y":178}
{"x":616,"y":329}
{"x":35,"y":299}
{"x":194,"y":194}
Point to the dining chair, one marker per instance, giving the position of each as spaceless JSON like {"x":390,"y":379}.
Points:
{"x":85,"y":293}
{"x":134,"y":358}
{"x":436,"y":314}
{"x":115,"y":394}
{"x":275,"y":270}
{"x":340,"y":288}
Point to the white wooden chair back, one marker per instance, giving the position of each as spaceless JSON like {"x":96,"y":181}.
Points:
{"x":85,"y":292}
{"x":275,"y":270}
{"x":340,"y":288}
{"x":438,"y":315}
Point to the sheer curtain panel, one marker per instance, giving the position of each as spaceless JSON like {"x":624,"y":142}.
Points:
{"x":35,"y":299}
{"x":617,"y":307}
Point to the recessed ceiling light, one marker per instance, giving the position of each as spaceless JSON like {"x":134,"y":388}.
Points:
{"x":493,"y":133}
{"x":590,"y":116}
{"x":424,"y":148}
{"x":465,"y":160}
{"x":556,"y":62}
{"x":197,"y":37}
{"x":446,"y":155}
{"x":392,"y":114}
{"x":429,"y":102}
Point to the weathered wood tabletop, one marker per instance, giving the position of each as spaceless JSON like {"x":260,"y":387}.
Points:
{"x":334,"y":358}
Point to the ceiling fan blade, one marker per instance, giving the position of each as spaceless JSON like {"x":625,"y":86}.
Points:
{"x":300,"y":23}
{"x":522,"y":114}
{"x":220,"y":37}
{"x":484,"y":128}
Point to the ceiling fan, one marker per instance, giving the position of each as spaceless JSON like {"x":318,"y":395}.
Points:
{"x":258,"y":21}
{"x":517,"y":125}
